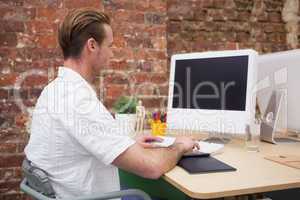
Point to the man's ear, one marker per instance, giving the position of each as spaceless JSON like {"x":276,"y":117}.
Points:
{"x":91,"y":44}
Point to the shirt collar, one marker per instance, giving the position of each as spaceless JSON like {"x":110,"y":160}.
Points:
{"x":65,"y":72}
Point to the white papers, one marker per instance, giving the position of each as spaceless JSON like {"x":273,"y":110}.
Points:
{"x":167,"y":141}
{"x":207,"y":147}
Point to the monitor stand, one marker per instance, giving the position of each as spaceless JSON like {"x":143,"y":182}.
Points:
{"x":268,"y":125}
{"x":269,"y":122}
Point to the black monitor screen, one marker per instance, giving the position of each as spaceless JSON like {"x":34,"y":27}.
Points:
{"x":211,"y":83}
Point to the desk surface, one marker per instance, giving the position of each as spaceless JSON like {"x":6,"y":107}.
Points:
{"x":254,"y":173}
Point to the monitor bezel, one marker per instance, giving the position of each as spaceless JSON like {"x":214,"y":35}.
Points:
{"x":179,"y":115}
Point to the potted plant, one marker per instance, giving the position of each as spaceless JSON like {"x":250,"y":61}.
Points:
{"x":125,"y":109}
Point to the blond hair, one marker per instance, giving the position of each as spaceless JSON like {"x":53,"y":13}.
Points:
{"x":78,"y":26}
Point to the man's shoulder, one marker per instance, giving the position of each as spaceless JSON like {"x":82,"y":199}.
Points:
{"x":62,"y":91}
{"x":49,"y":89}
{"x":63,"y":86}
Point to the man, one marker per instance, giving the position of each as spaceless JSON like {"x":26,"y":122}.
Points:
{"x":73,"y":136}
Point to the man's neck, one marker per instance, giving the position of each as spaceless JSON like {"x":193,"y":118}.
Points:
{"x":80,"y":67}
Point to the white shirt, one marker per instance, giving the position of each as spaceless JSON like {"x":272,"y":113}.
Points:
{"x":74,"y":138}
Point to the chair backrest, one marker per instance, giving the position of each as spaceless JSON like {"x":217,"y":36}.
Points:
{"x":37,"y":179}
{"x":36,"y":184}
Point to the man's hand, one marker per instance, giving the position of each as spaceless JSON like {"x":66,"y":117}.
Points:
{"x":146,"y":141}
{"x":149,"y":162}
{"x":187,"y":143}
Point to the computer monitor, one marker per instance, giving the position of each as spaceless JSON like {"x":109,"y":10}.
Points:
{"x":212,"y":91}
{"x":279,"y":72}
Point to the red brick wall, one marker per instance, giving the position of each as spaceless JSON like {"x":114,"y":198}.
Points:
{"x":225,"y":24}
{"x":299,"y":27}
{"x":28,"y":46}
{"x":139,"y":51}
{"x":146,"y":33}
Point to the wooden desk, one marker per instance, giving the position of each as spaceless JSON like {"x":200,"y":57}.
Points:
{"x":254,"y":173}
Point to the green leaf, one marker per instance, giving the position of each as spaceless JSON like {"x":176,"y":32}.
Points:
{"x":125,"y":105}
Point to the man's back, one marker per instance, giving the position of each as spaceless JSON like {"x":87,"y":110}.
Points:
{"x":73,"y":138}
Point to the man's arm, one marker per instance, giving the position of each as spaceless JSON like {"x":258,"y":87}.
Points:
{"x":153,"y":162}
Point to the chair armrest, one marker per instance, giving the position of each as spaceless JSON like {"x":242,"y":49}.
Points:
{"x":116,"y":194}
{"x":25,"y":188}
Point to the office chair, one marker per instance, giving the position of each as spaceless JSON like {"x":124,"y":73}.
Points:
{"x":37,"y":185}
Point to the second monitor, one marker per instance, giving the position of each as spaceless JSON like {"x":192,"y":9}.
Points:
{"x":212,"y":91}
